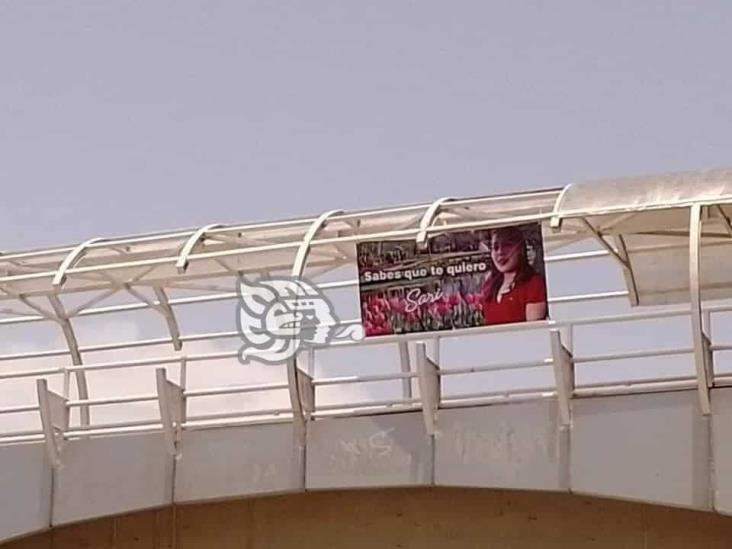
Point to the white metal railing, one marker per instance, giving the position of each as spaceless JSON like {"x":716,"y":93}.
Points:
{"x":95,"y":265}
{"x":468,"y":399}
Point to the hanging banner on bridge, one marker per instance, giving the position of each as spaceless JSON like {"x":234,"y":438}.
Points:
{"x":460,"y":280}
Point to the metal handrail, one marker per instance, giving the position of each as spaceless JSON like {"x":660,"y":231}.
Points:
{"x":72,"y":264}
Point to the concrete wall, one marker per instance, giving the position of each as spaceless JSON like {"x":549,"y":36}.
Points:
{"x":630,"y":448}
{"x":652,"y":448}
{"x":414,"y":518}
{"x":25,"y":490}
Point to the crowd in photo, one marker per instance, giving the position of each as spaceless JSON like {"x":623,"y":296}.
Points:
{"x":512,"y":289}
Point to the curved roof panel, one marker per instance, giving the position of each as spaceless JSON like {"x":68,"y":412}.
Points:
{"x":630,"y":194}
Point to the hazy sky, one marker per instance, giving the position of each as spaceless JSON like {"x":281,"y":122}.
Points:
{"x":129,"y":116}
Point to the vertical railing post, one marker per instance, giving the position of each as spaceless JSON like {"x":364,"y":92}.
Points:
{"x":172,"y":404}
{"x":54,"y":420}
{"x":563,"y":364}
{"x":703,"y":357}
{"x":429,"y":387}
{"x":406,"y":367}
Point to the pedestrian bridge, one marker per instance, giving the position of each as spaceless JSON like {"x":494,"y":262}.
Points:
{"x":121,"y":390}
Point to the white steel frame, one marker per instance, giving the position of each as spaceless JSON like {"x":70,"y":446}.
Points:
{"x":205,"y":261}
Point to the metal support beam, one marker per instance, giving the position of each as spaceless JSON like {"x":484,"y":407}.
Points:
{"x":163,"y":307}
{"x":724,"y":218}
{"x":307,"y":393}
{"x":703,"y":356}
{"x":620,"y":255}
{"x":301,"y":257}
{"x":90,"y":303}
{"x":627,"y":271}
{"x":560,"y":238}
{"x":563,"y":365}
{"x":604,"y":243}
{"x":311,"y":361}
{"x":73,"y":257}
{"x":172,"y":404}
{"x":429,"y":387}
{"x":298,"y":268}
{"x":428,"y":219}
{"x":556,"y":220}
{"x":32,"y":306}
{"x":190,"y":245}
{"x":68,"y":331}
{"x":406,"y":367}
{"x":54,"y":420}
{"x":435,"y":341}
{"x":293,"y":386}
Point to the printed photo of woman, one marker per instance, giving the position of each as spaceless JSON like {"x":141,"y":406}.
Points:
{"x":514,"y":291}
{"x":461,"y":280}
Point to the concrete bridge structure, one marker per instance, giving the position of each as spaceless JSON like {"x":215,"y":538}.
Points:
{"x":126,"y":419}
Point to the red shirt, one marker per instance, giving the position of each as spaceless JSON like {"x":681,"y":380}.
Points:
{"x":512,"y":307}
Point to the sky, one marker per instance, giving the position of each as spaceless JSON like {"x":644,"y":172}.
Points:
{"x":129,"y":116}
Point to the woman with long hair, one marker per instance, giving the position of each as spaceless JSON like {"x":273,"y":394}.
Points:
{"x":514,"y":291}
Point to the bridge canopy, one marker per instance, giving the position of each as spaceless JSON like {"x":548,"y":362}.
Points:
{"x":651,"y":192}
{"x":107,"y":344}
{"x":647,"y":220}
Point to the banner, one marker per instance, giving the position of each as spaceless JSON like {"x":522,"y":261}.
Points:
{"x":460,"y":280}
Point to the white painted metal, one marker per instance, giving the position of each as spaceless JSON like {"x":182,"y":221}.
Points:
{"x":563,"y":365}
{"x":163,"y":305}
{"x":306,"y":390}
{"x":600,"y":239}
{"x":54,"y":420}
{"x":406,"y":368}
{"x":724,"y":218}
{"x":654,"y":192}
{"x":429,"y":387}
{"x":703,"y":357}
{"x":190,"y":245}
{"x":294,"y":374}
{"x":74,"y":256}
{"x":70,"y":337}
{"x":80,"y":281}
{"x":627,"y":270}
{"x":428,"y":219}
{"x":171,"y":402}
